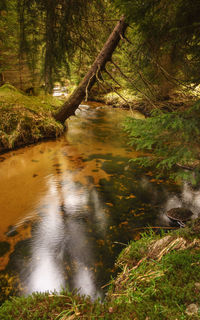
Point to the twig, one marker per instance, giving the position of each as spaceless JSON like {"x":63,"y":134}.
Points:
{"x":123,"y":244}
{"x":100,"y":20}
{"x":185,"y":167}
{"x":102,"y":86}
{"x":125,"y":38}
{"x":105,"y":285}
{"x":110,"y":75}
{"x":99,"y":81}
{"x":143,"y":228}
{"x":116,"y":92}
{"x":86,"y":89}
{"x":130,"y":80}
{"x":145,"y":81}
{"x":168,"y":75}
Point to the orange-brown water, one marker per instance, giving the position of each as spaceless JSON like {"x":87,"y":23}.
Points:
{"x":65,"y":206}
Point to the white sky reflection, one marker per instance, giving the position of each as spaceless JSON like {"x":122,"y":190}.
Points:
{"x":45,"y":270}
{"x":188,"y":198}
{"x":61,"y":237}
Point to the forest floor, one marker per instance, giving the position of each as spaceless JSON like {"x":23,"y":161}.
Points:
{"x":158,"y":279}
{"x":26,"y":119}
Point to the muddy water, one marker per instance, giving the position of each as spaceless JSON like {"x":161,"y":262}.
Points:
{"x":68,"y":206}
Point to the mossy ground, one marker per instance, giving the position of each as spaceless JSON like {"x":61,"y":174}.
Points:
{"x":26,"y":119}
{"x":159,"y":279}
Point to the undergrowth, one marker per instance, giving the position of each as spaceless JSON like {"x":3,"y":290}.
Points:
{"x":170,"y":141}
{"x":162,"y":281}
{"x":26,"y":119}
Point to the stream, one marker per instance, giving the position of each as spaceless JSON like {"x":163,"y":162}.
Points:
{"x":68,"y":207}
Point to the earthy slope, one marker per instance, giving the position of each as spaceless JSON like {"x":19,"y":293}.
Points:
{"x":26,"y":119}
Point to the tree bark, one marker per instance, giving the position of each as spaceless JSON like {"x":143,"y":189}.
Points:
{"x":69,"y":107}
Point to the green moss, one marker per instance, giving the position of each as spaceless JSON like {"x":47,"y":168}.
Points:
{"x":158,"y":280}
{"x":136,"y":250}
{"x":161,"y":290}
{"x":158,"y":277}
{"x":25,"y":119}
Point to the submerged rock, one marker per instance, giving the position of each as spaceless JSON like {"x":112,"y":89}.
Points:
{"x":179,"y":215}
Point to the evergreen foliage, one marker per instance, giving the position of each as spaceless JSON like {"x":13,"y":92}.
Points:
{"x":47,"y":36}
{"x":170,"y":141}
{"x":165,"y":37}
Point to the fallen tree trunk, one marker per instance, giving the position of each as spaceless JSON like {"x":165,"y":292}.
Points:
{"x":72,"y":103}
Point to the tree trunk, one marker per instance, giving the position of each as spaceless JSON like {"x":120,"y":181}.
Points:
{"x":49,"y":38}
{"x":72,"y":103}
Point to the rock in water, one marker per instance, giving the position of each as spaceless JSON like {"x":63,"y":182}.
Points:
{"x":179,"y":215}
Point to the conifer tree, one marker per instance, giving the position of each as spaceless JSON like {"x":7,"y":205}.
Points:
{"x":165,"y":38}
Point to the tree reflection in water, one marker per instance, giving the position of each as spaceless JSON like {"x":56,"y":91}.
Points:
{"x":60,"y":242}
{"x":49,"y":199}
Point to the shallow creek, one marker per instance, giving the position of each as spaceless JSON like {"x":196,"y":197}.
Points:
{"x":69,"y":206}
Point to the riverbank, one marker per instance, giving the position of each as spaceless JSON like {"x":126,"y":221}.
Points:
{"x":26,"y":119}
{"x":125,"y":99}
{"x":158,"y":278}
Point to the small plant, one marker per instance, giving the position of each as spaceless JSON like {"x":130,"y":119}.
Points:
{"x":170,"y":142}
{"x":73,"y":309}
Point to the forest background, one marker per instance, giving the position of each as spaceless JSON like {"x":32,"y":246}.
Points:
{"x":154,"y":69}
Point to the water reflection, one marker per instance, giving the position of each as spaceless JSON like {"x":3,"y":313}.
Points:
{"x":67,"y":205}
{"x":62,"y":254}
{"x":188,"y":198}
{"x":46,"y":247}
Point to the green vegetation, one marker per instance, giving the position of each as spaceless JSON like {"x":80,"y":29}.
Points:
{"x":25,"y":119}
{"x":164,"y":49}
{"x":158,"y":279}
{"x":50,"y":41}
{"x":174,"y":139}
{"x":43,"y":42}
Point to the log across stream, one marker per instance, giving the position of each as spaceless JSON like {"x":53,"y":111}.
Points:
{"x":69,"y":206}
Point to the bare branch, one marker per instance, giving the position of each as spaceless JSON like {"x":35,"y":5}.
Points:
{"x":146,"y":82}
{"x":110,"y":75}
{"x":86,"y":89}
{"x":125,"y":38}
{"x":128,"y":103}
{"x":100,"y":20}
{"x":168,"y":76}
{"x":130,"y":80}
{"x":102,"y":86}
